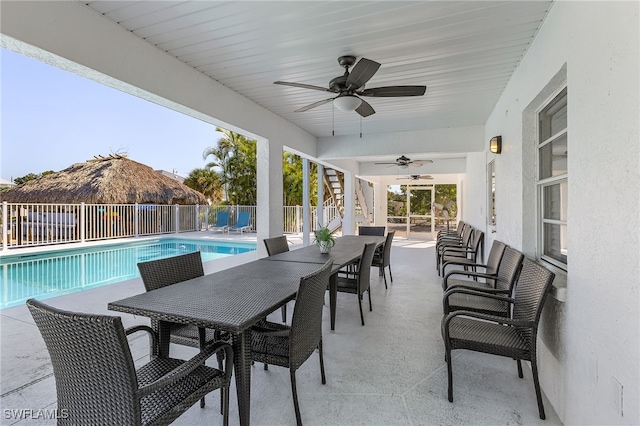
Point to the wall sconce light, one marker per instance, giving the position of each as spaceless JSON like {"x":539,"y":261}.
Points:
{"x":495,"y":144}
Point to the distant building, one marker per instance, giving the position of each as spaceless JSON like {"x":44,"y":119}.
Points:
{"x":6,"y":184}
{"x":171,"y":175}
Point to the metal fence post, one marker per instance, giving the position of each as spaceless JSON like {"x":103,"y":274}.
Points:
{"x":177,"y":216}
{"x":83,"y":223}
{"x":136,"y":217}
{"x":4,"y":225}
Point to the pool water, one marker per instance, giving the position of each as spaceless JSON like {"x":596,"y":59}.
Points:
{"x":52,"y":274}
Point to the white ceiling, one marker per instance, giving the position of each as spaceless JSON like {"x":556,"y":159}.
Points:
{"x":464,"y":52}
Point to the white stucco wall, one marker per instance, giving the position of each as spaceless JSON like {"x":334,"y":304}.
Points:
{"x":589,"y":345}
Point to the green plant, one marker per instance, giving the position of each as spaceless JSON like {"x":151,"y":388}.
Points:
{"x":323,"y":234}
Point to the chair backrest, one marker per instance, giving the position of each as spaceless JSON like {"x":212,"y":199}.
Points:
{"x":467,"y":235}
{"x":386,"y":254}
{"x":364,"y":267}
{"x":94,"y":372}
{"x":276,"y":245}
{"x":170,"y":270}
{"x":476,"y":244}
{"x":243,"y":219}
{"x":534,"y":283}
{"x":508,"y":269}
{"x":371,"y":230}
{"x":222,"y":219}
{"x":306,"y":324}
{"x":495,"y":256}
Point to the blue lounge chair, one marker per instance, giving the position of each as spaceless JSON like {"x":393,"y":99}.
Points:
{"x":222,"y":222}
{"x":242,"y":224}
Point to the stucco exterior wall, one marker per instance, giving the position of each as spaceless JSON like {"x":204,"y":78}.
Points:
{"x":589,"y":345}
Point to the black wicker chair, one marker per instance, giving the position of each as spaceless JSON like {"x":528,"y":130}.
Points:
{"x":465,"y":296}
{"x":358,"y":281}
{"x":98,"y":384}
{"x":461,"y":242}
{"x":514,"y":337}
{"x":171,"y":270}
{"x":490,"y":269}
{"x":382,"y":260}
{"x":290,"y":347}
{"x":371,"y":230}
{"x":463,"y":254}
{"x":451,"y":232}
{"x":277,"y":245}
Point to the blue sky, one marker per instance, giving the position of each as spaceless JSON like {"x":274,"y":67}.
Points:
{"x":51,"y":119}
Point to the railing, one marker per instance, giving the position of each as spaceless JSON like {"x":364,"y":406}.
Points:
{"x":31,"y":224}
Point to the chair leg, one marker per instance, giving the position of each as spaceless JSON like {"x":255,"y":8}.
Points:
{"x":390,"y":276}
{"x":385,"y":279}
{"x":370,"y":307}
{"x":519,"y":368}
{"x":449,"y":375}
{"x":266,"y":366}
{"x":202,"y":342}
{"x":536,"y":383}
{"x":224,"y":394}
{"x":324,"y":379}
{"x":360,"y":304}
{"x":283,"y":310}
{"x":295,"y":398}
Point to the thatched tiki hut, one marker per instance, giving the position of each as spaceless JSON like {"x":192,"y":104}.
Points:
{"x":105,"y":180}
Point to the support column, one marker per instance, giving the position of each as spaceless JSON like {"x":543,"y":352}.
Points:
{"x":320,"y":213}
{"x":380,"y":204}
{"x":348,"y":221}
{"x":269,"y":216}
{"x":306,"y":203}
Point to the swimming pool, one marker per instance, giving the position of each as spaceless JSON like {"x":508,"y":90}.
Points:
{"x":51,"y":274}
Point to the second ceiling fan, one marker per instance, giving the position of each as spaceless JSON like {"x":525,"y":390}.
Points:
{"x":350,"y":86}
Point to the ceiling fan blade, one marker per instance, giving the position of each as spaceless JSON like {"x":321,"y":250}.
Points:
{"x":361,"y":73}
{"x":313,"y":105}
{"x":302,"y":85}
{"x":419,"y":163}
{"x":393,"y":91}
{"x":365,"y":109}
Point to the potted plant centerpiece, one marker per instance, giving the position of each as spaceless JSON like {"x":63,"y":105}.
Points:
{"x":324,"y":239}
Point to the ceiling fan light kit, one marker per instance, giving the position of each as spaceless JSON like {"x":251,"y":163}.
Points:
{"x":347,"y":102}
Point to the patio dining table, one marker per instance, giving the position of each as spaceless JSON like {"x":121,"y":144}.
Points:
{"x":230,"y":300}
{"x":346,"y":251}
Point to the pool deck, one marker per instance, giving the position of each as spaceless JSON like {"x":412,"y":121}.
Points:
{"x":389,"y":372}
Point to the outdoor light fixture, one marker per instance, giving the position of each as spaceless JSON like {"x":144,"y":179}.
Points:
{"x":495,"y":144}
{"x":347,"y":102}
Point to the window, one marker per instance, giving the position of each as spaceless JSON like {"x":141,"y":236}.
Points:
{"x":552,"y":181}
{"x":491,"y":193}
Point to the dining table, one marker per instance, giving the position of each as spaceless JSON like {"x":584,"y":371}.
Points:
{"x":346,"y":251}
{"x":234,"y":299}
{"x":230,"y":300}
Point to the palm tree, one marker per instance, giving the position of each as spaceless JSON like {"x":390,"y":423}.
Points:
{"x":207,"y":182}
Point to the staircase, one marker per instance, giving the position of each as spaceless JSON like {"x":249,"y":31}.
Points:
{"x":334,"y":184}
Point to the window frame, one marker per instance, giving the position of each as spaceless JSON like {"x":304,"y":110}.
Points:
{"x":541,"y":184}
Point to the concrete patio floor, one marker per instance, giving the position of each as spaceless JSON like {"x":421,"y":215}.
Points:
{"x":389,"y":372}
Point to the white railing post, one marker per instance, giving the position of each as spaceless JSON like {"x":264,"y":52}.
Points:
{"x":297,"y":219}
{"x":83,"y":223}
{"x":136,"y":225}
{"x":177,"y":216}
{"x":4,"y":225}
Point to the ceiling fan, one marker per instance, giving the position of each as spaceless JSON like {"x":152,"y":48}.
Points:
{"x":416,"y":177}
{"x":350,"y":86}
{"x":404,"y":162}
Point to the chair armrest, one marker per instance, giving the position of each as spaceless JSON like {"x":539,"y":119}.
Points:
{"x":491,"y":318}
{"x":481,"y":290}
{"x":467,"y":274}
{"x":496,"y":294}
{"x":185,"y":369}
{"x":458,"y":249}
{"x":152,"y":335}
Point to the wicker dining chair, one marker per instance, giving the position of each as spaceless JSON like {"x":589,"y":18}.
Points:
{"x":463,"y":254}
{"x":290,"y":346}
{"x":276,"y":245}
{"x":514,"y":337}
{"x":463,"y":241}
{"x":98,"y":384}
{"x":383,"y":260}
{"x":464,"y":295}
{"x":171,"y":270}
{"x":358,"y":281}
{"x":371,"y":230}
{"x":490,"y":269}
